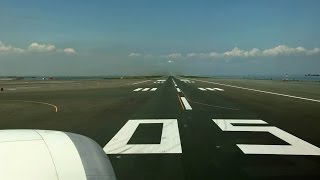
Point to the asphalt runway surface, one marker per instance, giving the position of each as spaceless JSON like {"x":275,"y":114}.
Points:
{"x":180,"y":128}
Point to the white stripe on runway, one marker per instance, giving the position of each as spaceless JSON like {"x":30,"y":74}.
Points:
{"x":218,"y":89}
{"x":266,"y":92}
{"x":202,"y":89}
{"x":178,"y":89}
{"x":174,"y":83}
{"x":138,"y":89}
{"x":153,"y":89}
{"x":186,"y":103}
{"x":140,"y":82}
{"x":145,"y":89}
{"x":210,"y":89}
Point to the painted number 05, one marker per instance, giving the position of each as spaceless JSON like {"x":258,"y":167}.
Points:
{"x":297,"y":146}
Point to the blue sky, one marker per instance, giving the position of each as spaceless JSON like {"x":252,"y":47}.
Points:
{"x":149,"y":37}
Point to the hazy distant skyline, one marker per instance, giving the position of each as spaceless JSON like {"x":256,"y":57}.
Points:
{"x":159,"y":37}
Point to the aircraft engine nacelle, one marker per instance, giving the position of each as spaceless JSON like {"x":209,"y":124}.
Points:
{"x":51,"y":155}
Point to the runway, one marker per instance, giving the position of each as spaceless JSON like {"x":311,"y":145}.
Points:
{"x":184,"y":128}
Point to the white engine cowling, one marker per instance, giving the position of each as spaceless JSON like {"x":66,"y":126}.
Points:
{"x":51,"y":155}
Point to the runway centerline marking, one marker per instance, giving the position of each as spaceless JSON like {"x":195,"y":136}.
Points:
{"x":186,"y":103}
{"x":261,"y":91}
{"x":178,"y":89}
{"x":38,"y":102}
{"x":145,"y":89}
{"x":175,"y":84}
{"x":153,"y":89}
{"x":181,"y":102}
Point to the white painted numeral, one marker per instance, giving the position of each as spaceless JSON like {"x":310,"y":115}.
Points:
{"x":297,"y":146}
{"x":170,"y":139}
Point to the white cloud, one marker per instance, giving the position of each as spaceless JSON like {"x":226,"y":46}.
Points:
{"x":36,"y":47}
{"x":254,"y":52}
{"x":69,"y":51}
{"x":281,"y":50}
{"x":134,"y":54}
{"x":213,"y":55}
{"x":236,"y":52}
{"x":190,"y":55}
{"x":314,"y":51}
{"x":9,"y":49}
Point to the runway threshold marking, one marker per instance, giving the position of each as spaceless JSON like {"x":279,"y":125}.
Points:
{"x":38,"y":102}
{"x":210,"y":89}
{"x":138,"y":89}
{"x":145,"y":89}
{"x":140,"y":82}
{"x":261,"y":91}
{"x":186,"y":81}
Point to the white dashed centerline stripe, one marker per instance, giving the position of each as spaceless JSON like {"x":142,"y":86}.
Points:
{"x":178,"y":89}
{"x":174,"y":83}
{"x":266,"y":92}
{"x":186,"y":103}
{"x":145,"y":89}
{"x":153,"y":89}
{"x":138,"y":89}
